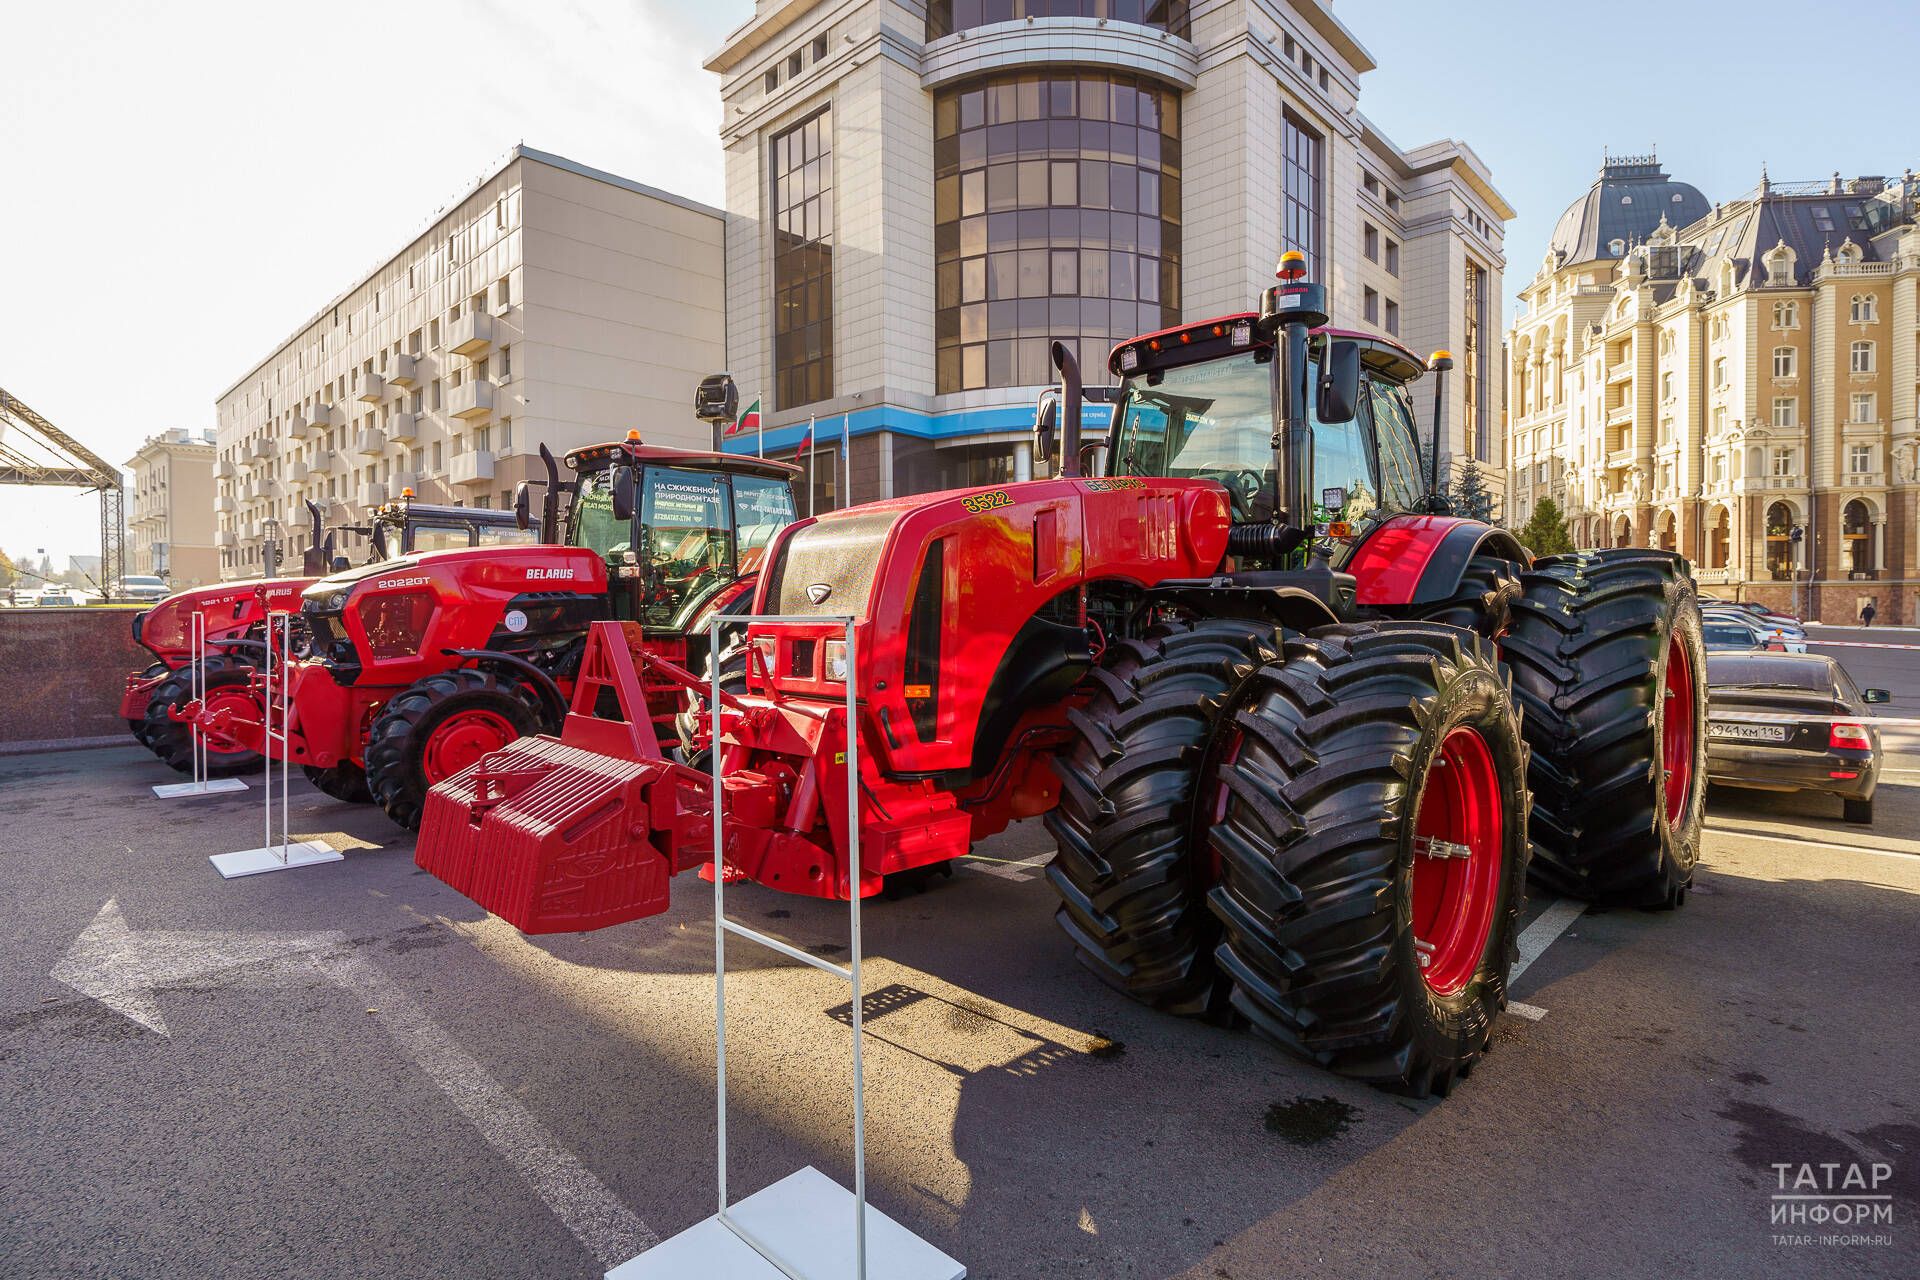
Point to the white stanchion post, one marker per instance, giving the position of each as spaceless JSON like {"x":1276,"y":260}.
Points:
{"x":201,"y":785}
{"x":775,"y":1232}
{"x":276,"y":697}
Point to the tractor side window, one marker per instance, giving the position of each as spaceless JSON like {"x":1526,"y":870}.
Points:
{"x":1343,"y":479}
{"x":761,"y":509}
{"x":1401,"y":482}
{"x":593,"y":524}
{"x":503,"y":536}
{"x":685,"y":549}
{"x":436,"y":537}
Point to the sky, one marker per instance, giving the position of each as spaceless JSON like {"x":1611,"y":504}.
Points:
{"x":189,"y":184}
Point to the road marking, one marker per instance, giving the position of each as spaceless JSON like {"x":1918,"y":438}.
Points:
{"x":121,"y":968}
{"x":1816,"y":844}
{"x":1024,"y":869}
{"x":1538,"y":936}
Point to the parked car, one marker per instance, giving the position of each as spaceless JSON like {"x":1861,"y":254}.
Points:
{"x":1789,"y":637}
{"x":1753,"y":607}
{"x":143,"y":586}
{"x":56,"y":597}
{"x":1792,"y":722}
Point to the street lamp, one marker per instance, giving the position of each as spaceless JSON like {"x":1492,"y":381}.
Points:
{"x":270,"y":547}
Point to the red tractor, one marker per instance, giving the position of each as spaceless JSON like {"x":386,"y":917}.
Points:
{"x":421,"y":663}
{"x":235,"y":635}
{"x":1291,"y":726}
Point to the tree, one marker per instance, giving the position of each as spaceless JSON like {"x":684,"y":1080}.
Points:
{"x":1545,"y":533}
{"x":1470,"y":496}
{"x":8,"y":574}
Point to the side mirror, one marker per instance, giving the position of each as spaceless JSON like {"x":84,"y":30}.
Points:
{"x":623,"y":493}
{"x":1339,"y":393}
{"x":1043,"y":425}
{"x":1877,"y":695}
{"x":523,"y":505}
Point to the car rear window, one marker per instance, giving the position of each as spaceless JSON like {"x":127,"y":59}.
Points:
{"x":1730,"y":669}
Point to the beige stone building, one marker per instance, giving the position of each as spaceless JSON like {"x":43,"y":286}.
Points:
{"x":170,"y":523}
{"x":1735,"y":382}
{"x":922,"y":196}
{"x":552,"y":303}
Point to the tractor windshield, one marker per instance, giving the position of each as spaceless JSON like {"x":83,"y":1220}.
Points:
{"x":1214,"y":420}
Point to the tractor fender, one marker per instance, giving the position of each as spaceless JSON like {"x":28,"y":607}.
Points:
{"x":1422,"y":559}
{"x":1291,"y":607}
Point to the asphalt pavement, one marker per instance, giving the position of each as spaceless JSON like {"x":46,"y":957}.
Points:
{"x":347,"y":1070}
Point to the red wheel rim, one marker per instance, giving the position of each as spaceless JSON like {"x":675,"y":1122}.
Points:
{"x":245,"y":705}
{"x":1676,"y":732}
{"x":1459,"y":834}
{"x":461,"y":739}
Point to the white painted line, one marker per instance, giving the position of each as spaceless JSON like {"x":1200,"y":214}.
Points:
{"x":1538,"y":936}
{"x":1024,"y":869}
{"x":610,"y":1231}
{"x":1531,"y":1012}
{"x":1814,"y":844}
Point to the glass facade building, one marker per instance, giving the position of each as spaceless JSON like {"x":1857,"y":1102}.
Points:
{"x":802,"y":201}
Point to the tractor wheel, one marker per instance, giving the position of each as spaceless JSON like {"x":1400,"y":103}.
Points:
{"x":433,"y":730}
{"x":691,"y":720}
{"x":344,"y":782}
{"x":1373,"y":847}
{"x":1132,"y":869}
{"x":139,"y":727}
{"x":1483,"y":602}
{"x":226,"y":680}
{"x":1608,"y":667}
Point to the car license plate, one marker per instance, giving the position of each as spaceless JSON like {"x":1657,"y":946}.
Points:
{"x":1747,"y":732}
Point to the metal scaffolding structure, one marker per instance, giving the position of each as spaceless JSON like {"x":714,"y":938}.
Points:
{"x":35,"y":452}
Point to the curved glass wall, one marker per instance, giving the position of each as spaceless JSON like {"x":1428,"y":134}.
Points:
{"x":944,"y":17}
{"x":1056,"y":215}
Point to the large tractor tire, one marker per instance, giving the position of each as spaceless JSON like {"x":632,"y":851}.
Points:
{"x":139,"y":727}
{"x":226,"y":680}
{"x":1373,"y":850}
{"x":428,"y":733}
{"x":691,"y":720}
{"x":1608,"y":667}
{"x":345,"y":782}
{"x":1133,"y":867}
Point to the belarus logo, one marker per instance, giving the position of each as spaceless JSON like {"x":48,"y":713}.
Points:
{"x":819,"y":592}
{"x":541,"y":575}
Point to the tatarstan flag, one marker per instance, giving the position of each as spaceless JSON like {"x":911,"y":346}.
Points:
{"x":748,"y":421}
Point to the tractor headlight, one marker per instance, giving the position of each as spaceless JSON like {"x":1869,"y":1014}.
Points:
{"x":835,"y":663}
{"x":1129,"y":359}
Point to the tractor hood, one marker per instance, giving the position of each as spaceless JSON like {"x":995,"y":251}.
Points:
{"x":825,"y":566}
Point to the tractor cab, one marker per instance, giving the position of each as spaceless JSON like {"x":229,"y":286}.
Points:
{"x":675,"y":527}
{"x":403,"y":527}
{"x":1202,"y":401}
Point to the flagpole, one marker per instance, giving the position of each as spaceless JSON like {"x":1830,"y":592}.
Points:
{"x":760,"y":422}
{"x":846,"y":458}
{"x":809,"y":466}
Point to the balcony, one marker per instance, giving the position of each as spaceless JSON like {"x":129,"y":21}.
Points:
{"x":225,"y":538}
{"x":401,"y":429}
{"x":262,"y":449}
{"x":323,"y":464}
{"x":472,"y":467}
{"x":404,"y":483}
{"x":1619,"y":458}
{"x":320,"y":417}
{"x":297,"y":428}
{"x":370,"y":444}
{"x":224,"y":469}
{"x":372,"y":495}
{"x":296,"y":472}
{"x":223,"y":504}
{"x":373,"y":389}
{"x":471,"y":399}
{"x":1620,"y":373}
{"x":1621,"y":416}
{"x":403,"y":373}
{"x":471,"y":335}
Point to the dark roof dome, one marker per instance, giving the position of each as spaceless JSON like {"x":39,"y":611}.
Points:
{"x":1624,"y":205}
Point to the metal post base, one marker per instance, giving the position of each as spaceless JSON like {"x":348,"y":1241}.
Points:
{"x":210,"y":787}
{"x":796,"y":1220}
{"x":251,"y":862}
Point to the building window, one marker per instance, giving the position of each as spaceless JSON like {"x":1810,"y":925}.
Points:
{"x":1860,"y":359}
{"x":1300,"y":192}
{"x":1056,"y":216}
{"x":1864,"y":404}
{"x":1666,"y":385}
{"x":772,"y":80}
{"x":1720,"y":372}
{"x":802,"y":163}
{"x":1786,"y":315}
{"x":1393,"y":258}
{"x":1372,"y":302}
{"x":819,"y":48}
{"x":1370,"y":240}
{"x":793,"y":64}
{"x":1474,"y":366}
{"x":1786,"y":412}
{"x":1783,"y":462}
{"x":1393,"y":317}
{"x":1859,"y":459}
{"x":1783,"y":362}
{"x":944,"y":17}
{"x":1864,"y":309}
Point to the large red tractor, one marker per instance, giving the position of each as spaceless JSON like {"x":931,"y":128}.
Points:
{"x":1290,"y":726}
{"x":420,"y":664}
{"x":235,"y":629}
